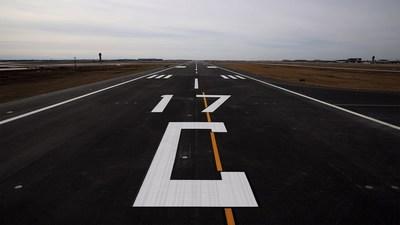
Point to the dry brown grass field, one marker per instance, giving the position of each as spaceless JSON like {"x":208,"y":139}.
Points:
{"x":25,"y":83}
{"x":368,"y":79}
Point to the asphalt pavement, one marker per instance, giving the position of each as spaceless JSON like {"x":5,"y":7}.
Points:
{"x":199,"y":146}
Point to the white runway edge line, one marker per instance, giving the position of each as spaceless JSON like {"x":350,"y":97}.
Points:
{"x":77,"y":98}
{"x":196,"y":83}
{"x":317,"y":100}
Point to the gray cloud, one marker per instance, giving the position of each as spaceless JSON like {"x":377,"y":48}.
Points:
{"x":235,"y":29}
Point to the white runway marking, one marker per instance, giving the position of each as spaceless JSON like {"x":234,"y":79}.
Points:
{"x":16,"y":187}
{"x":159,"y":108}
{"x":319,"y":101}
{"x":152,"y":76}
{"x":212,"y":67}
{"x":180,"y":67}
{"x":196,"y":83}
{"x":76,"y":98}
{"x":232,"y":77}
{"x":168,"y":76}
{"x":215,"y":105}
{"x":159,"y":77}
{"x":225,"y":77}
{"x":158,"y":190}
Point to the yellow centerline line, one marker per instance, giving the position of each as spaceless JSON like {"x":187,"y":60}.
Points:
{"x":230,"y":220}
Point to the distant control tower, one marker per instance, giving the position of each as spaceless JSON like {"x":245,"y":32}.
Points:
{"x":100,"y":59}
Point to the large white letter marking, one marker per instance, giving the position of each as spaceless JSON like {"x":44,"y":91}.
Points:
{"x":158,"y":190}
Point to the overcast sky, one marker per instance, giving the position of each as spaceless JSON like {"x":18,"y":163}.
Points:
{"x":201,"y":29}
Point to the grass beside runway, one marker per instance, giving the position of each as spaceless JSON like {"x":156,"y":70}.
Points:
{"x":20,"y":84}
{"x":324,"y":77}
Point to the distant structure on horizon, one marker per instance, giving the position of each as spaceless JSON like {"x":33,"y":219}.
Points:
{"x":100,"y":57}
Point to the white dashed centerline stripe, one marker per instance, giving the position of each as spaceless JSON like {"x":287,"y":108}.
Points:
{"x":317,"y":100}
{"x":76,"y":98}
{"x":240,"y":77}
{"x":159,"y":77}
{"x":225,"y":77}
{"x":196,"y":83}
{"x":233,"y":77}
{"x":168,"y":76}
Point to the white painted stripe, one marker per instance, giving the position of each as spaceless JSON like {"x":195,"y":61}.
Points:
{"x":225,"y":77}
{"x":212,"y":67}
{"x":152,"y":76}
{"x":196,"y":83}
{"x":168,"y":76}
{"x":76,"y":98}
{"x":233,"y":77}
{"x":215,"y":105}
{"x":159,"y":77}
{"x":319,"y":101}
{"x":162,"y":104}
{"x":240,"y":77}
{"x":180,"y":67}
{"x":158,"y":190}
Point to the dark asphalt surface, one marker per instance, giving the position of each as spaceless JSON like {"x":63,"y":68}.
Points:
{"x":84,"y":162}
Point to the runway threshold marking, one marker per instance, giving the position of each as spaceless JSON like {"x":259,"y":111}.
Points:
{"x":232,"y":77}
{"x":225,"y":77}
{"x":230,"y":219}
{"x":77,"y":98}
{"x":152,"y":76}
{"x":317,"y":100}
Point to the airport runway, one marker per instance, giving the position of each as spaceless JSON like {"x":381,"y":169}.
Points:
{"x":205,"y":146}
